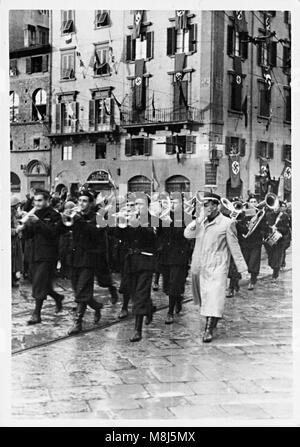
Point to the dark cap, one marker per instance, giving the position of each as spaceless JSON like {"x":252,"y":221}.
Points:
{"x":211,"y":196}
{"x":86,"y":193}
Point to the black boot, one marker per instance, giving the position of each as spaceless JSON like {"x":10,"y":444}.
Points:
{"x":208,"y":333}
{"x":178,"y":304}
{"x":77,"y":326}
{"x":170,"y":318}
{"x":36,"y":316}
{"x":124,"y":310}
{"x":97,"y":315}
{"x":137,"y":336}
{"x":149,"y":317}
{"x":58,"y":298}
{"x":114,"y":297}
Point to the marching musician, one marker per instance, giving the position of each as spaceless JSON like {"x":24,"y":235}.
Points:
{"x":84,"y":237}
{"x":173,"y":256}
{"x":42,"y":229}
{"x":216,"y":239}
{"x":252,"y":244}
{"x":16,"y":246}
{"x":277,"y":236}
{"x":139,"y":262}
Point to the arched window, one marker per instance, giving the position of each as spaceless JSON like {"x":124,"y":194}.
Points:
{"x":39,"y":105}
{"x":15,"y":182}
{"x":139,"y":183}
{"x":178,"y":183}
{"x":14,"y":106}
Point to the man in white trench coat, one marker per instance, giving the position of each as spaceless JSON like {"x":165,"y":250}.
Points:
{"x":216,"y":240}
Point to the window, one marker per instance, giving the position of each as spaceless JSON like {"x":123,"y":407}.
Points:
{"x":138,"y":146}
{"x":44,"y":12}
{"x":182,"y":40}
{"x":15,"y":183}
{"x":67,"y":112}
{"x":287,"y":104}
{"x":210,"y":174}
{"x":37,"y":64}
{"x":235,"y":145}
{"x":14,"y":106}
{"x":264,"y":149}
{"x":67,"y":65}
{"x":264,"y":99}
{"x":287,"y":17}
{"x":185,"y":144}
{"x":102,"y":18}
{"x":29,"y":35}
{"x":140,"y":183}
{"x":237,"y":43}
{"x":39,"y":105}
{"x":67,"y":153}
{"x":140,"y":48}
{"x":267,"y":53}
{"x":101,"y":110}
{"x":286,"y":152}
{"x":67,"y":21}
{"x":13,"y":67}
{"x":36,"y":143}
{"x":101,"y":66}
{"x":100,"y":150}
{"x":42,"y":36}
{"x":177,"y":183}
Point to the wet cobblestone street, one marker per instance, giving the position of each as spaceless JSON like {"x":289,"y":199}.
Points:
{"x":245,"y":373}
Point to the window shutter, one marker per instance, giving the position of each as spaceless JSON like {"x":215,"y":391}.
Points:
{"x":133,"y":47}
{"x":230,"y":34}
{"x":28,"y":65}
{"x":171,"y":41}
{"x":286,"y":16}
{"x":190,"y":144}
{"x":58,"y":117}
{"x":128,"y":48}
{"x":272,"y":54}
{"x":169,"y":145}
{"x":227,"y":145}
{"x":147,"y":146}
{"x":192,"y":37}
{"x":271,"y":150}
{"x":242,"y":147}
{"x":259,"y":51}
{"x":92,"y":114}
{"x":74,"y":124}
{"x":128,"y":146}
{"x":150,"y":45}
{"x":45,"y":63}
{"x":243,"y":36}
{"x":258,"y":149}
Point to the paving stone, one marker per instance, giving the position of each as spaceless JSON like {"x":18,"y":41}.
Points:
{"x":171,"y":389}
{"x":282,"y":410}
{"x":198,"y":412}
{"x":211,"y":387}
{"x":245,"y":386}
{"x":116,"y":403}
{"x":245,"y":411}
{"x":86,"y":393}
{"x":141,"y":375}
{"x":213,"y":399}
{"x":145,"y":413}
{"x":179,"y":373}
{"x":127,"y":391}
{"x":158,"y":402}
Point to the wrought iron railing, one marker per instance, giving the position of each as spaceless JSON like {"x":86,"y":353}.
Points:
{"x":169,"y":115}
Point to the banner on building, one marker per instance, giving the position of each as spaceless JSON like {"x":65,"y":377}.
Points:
{"x":137,"y":23}
{"x":139,"y":85}
{"x":287,"y":176}
{"x":265,"y":176}
{"x":180,"y":19}
{"x":240,"y":22}
{"x":234,"y":170}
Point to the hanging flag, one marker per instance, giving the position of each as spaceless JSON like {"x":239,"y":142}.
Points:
{"x":269,"y":119}
{"x":240,"y":21}
{"x":267,"y":22}
{"x":68,"y":38}
{"x":234,"y":170}
{"x":137,"y":23}
{"x":153,"y":106}
{"x":70,"y":112}
{"x":268,"y":82}
{"x":107,"y":106}
{"x":111,"y":179}
{"x":238,"y":77}
{"x":40,"y":118}
{"x":180,"y":19}
{"x":245,"y":110}
{"x":179,"y":66}
{"x":111,"y":60}
{"x":92,"y":61}
{"x":139,"y":85}
{"x":155,"y":183}
{"x":264,"y":168}
{"x":119,"y":105}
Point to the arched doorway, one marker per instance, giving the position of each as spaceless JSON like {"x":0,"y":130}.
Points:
{"x":37,"y":173}
{"x":233,"y":192}
{"x":178,"y":183}
{"x":15,"y":183}
{"x":59,"y":188}
{"x":139,"y":183}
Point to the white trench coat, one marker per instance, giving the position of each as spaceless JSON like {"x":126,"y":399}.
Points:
{"x":215,"y":241}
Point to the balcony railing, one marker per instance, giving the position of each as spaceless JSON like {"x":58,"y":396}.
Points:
{"x":161,"y":116}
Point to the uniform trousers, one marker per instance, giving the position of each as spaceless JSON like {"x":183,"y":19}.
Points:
{"x":174,"y":277}
{"x":252,"y":256}
{"x":42,"y":278}
{"x":82,"y":279}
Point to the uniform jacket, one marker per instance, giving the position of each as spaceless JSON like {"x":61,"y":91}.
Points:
{"x":215,"y":241}
{"x":283,"y":226}
{"x":44,"y":235}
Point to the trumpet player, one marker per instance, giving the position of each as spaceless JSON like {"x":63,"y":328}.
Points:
{"x":216,"y":239}
{"x":81,"y":225}
{"x":41,"y":226}
{"x":174,"y":253}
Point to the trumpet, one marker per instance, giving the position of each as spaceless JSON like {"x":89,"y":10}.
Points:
{"x":26,"y":216}
{"x":231,"y":209}
{"x":69,"y":214}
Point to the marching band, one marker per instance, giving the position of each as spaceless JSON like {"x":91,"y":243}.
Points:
{"x":141,"y":237}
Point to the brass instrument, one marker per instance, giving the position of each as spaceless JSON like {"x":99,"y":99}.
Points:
{"x":270,"y":201}
{"x":26,"y":216}
{"x":231,"y":209}
{"x":254,"y":222}
{"x":68,"y":215}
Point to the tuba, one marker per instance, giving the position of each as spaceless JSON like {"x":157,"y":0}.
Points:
{"x":254,"y":222}
{"x":270,"y":201}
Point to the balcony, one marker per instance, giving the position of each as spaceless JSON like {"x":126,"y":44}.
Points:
{"x":161,"y":118}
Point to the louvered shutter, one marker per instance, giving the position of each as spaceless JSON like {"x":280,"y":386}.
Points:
{"x":147,"y":146}
{"x":74,"y":123}
{"x":92,"y":114}
{"x":190,"y":144}
{"x":192,"y":37}
{"x":227,"y":145}
{"x":259,"y":53}
{"x":171,"y":41}
{"x":243,"y":36}
{"x":230,"y":34}
{"x":128,"y":48}
{"x":150,"y":44}
{"x":28,"y":65}
{"x":271,"y":150}
{"x":272,"y":54}
{"x":242,"y":147}
{"x":169,"y":145}
{"x":258,"y":149}
{"x":128,"y":147}
{"x":45,"y":63}
{"x":58,"y":117}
